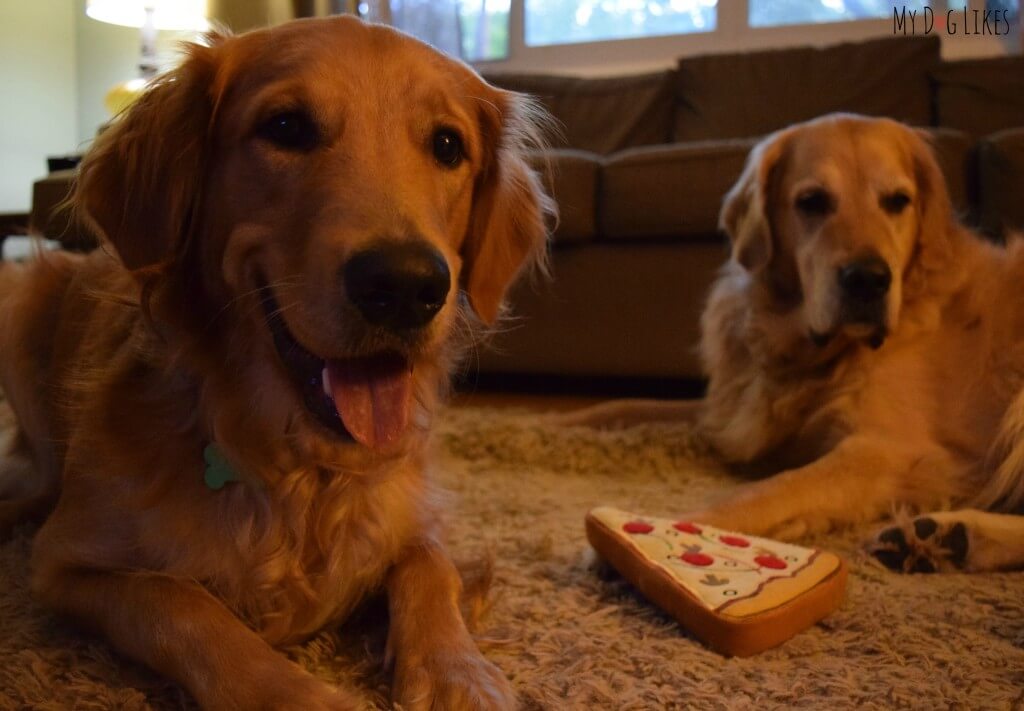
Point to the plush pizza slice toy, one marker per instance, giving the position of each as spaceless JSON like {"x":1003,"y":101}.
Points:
{"x":739,"y":594}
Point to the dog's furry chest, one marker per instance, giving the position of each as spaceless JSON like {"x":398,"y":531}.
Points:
{"x":748,"y":419}
{"x":758,"y":402}
{"x":294,"y":557}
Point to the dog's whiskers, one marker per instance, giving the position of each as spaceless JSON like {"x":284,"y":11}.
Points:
{"x":283,"y":284}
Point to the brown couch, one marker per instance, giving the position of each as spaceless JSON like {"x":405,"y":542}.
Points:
{"x":649,"y":158}
{"x":646,"y":160}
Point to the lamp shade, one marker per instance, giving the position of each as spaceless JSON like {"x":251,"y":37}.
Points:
{"x":167,"y":14}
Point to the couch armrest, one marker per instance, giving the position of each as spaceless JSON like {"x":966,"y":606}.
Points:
{"x":51,"y":217}
{"x":571,"y":177}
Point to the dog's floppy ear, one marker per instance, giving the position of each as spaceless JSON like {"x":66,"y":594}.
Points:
{"x":138,"y":185}
{"x":937,"y":227}
{"x":508,"y":225}
{"x":744,"y":215}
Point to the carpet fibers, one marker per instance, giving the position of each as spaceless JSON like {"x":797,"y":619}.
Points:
{"x":572,"y":636}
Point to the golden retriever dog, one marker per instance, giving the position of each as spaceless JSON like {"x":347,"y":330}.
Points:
{"x":868,"y":346}
{"x":229,"y":403}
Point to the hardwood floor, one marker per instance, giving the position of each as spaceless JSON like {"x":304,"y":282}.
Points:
{"x":565,"y":392}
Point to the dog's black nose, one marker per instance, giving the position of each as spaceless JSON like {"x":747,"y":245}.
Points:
{"x":398,"y":285}
{"x":866,"y":279}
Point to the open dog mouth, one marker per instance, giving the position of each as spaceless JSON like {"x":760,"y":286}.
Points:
{"x":873,"y":334}
{"x":368,"y":399}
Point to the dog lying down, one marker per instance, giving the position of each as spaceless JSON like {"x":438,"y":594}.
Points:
{"x":296,"y":222}
{"x":866,"y":346}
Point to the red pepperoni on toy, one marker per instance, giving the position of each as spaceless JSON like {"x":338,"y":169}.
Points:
{"x":637,"y":527}
{"x":686,"y":527}
{"x":770,"y":561}
{"x":735,"y":541}
{"x":700,"y":559}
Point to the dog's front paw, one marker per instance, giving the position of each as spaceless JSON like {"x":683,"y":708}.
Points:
{"x":459,"y":680}
{"x":935,"y":542}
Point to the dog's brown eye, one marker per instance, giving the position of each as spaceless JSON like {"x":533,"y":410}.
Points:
{"x":291,"y":130}
{"x":895,"y":202}
{"x":814,"y":203}
{"x":448,"y":147}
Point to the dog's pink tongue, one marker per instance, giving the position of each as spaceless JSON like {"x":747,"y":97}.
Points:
{"x":373,"y":397}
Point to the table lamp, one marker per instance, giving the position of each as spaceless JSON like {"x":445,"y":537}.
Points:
{"x":149,"y":16}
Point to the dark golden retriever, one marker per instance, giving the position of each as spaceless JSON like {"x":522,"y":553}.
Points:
{"x":297,"y":222}
{"x":867,"y":345}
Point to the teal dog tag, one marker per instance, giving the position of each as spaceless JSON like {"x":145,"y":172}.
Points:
{"x":218,"y":470}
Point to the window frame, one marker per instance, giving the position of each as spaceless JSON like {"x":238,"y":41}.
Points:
{"x":732,"y":33}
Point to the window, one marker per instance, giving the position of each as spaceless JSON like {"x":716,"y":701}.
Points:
{"x":557,"y":35}
{"x":771,"y":13}
{"x":1010,"y":9}
{"x":550,"y":22}
{"x":484,"y":29}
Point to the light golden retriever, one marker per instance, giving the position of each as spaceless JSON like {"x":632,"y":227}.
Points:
{"x":867,"y":345}
{"x":231,"y":412}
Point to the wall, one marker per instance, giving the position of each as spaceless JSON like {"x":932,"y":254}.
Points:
{"x":106,"y":55}
{"x":37,"y":83}
{"x":242,"y":15}
{"x":56,"y":65}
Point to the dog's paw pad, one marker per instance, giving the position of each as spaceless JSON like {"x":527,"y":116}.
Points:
{"x":923,"y":545}
{"x":890,"y":548}
{"x":922,"y":565}
{"x":893,"y":560}
{"x":925,"y":527}
{"x":894,"y":536}
{"x":955,"y":542}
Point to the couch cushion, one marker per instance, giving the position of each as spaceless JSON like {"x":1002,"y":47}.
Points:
{"x":754,"y":93}
{"x":980,"y":96}
{"x":571,"y":177}
{"x":669,"y":191}
{"x":1001,"y":182}
{"x":602,"y":115}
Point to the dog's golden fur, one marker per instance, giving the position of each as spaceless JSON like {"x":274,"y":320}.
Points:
{"x":930,"y":418}
{"x":122,"y":365}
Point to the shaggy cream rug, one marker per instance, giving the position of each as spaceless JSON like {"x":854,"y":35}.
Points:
{"x":572,"y":636}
